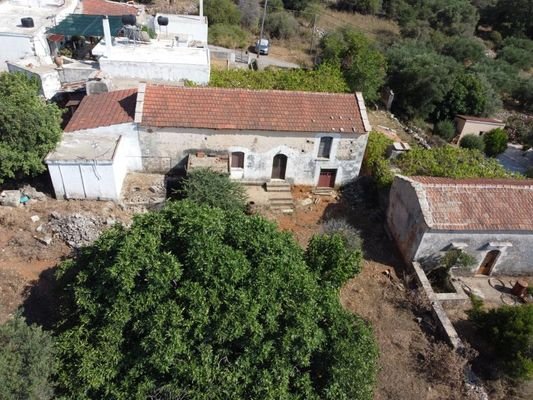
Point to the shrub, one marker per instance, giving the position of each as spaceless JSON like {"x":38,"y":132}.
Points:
{"x":26,"y":361}
{"x":473,"y":142}
{"x":517,"y":52}
{"x":222,"y":12}
{"x":281,"y":25}
{"x":529,"y":173}
{"x":324,"y":78}
{"x":226,"y":35}
{"x":495,"y":142}
{"x":375,"y":162}
{"x":204,"y":186}
{"x":450,"y":162}
{"x":496,"y":38}
{"x":445,"y":129}
{"x":510,"y":330}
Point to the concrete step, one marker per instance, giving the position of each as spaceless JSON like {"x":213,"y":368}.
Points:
{"x":278,"y":186}
{"x":323,"y":191}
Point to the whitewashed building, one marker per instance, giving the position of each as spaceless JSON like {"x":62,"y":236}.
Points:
{"x":315,"y":139}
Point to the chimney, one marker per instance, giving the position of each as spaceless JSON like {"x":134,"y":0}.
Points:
{"x":107,"y":35}
{"x":201,"y":8}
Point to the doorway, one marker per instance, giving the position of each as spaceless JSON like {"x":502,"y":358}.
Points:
{"x":327,"y":178}
{"x":488,"y":262}
{"x":279,"y":166}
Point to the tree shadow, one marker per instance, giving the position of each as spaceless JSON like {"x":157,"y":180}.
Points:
{"x":363,"y":206}
{"x":41,"y":304}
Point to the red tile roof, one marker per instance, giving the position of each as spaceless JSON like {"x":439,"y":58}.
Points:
{"x":479,"y":119}
{"x":103,"y":7}
{"x":240,"y":109}
{"x":104,"y":109}
{"x":475,"y":204}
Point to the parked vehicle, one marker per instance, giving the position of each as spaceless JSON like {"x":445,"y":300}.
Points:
{"x":262,"y":46}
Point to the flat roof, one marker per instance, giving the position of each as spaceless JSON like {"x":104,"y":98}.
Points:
{"x":43,"y":13}
{"x":84,"y":149}
{"x":156,"y":51}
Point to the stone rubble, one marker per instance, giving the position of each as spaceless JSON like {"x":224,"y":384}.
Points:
{"x":76,"y":230}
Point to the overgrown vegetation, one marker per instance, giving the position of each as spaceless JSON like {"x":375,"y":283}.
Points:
{"x":510,"y":332}
{"x":29,"y":126}
{"x":324,"y":78}
{"x":439,"y":273}
{"x":204,"y":186}
{"x":445,"y":129}
{"x":27,"y":361}
{"x":495,"y":142}
{"x":375,"y":162}
{"x":196,"y":302}
{"x":473,"y":142}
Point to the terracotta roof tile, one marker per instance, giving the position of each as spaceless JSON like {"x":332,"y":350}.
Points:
{"x":103,"y":7}
{"x":476,"y":204}
{"x":104,"y":109}
{"x":239,"y":109}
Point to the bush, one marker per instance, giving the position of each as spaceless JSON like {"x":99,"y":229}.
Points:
{"x":495,"y":142}
{"x":517,"y":52}
{"x":231,"y":36}
{"x":206,"y":304}
{"x":510,"y":330}
{"x":204,"y":186}
{"x":445,"y":129}
{"x":473,"y":142}
{"x":26,"y":361}
{"x":450,"y":162}
{"x":281,"y":25}
{"x":324,"y":78}
{"x":375,"y":162}
{"x":496,"y":38}
{"x":529,"y":173}
{"x":222,"y":12}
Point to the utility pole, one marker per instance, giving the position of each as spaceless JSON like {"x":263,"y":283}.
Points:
{"x":262,"y":27}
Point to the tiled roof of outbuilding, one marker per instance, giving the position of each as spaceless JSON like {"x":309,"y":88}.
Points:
{"x":240,"y":109}
{"x":475,"y":204}
{"x":104,"y":109}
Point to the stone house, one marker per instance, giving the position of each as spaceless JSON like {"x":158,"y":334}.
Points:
{"x":490,"y":219}
{"x":467,"y":125}
{"x":315,"y":139}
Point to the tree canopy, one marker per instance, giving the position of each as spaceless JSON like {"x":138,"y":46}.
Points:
{"x":29,"y":126}
{"x":199,"y":303}
{"x":26,"y":361}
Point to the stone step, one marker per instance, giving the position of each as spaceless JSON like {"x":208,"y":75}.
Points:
{"x":323,"y":191}
{"x":278,"y":186}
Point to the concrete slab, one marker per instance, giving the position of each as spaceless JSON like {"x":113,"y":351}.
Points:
{"x":514,"y":159}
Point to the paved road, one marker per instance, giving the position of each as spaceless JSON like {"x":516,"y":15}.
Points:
{"x":515,"y":160}
{"x":263,"y":61}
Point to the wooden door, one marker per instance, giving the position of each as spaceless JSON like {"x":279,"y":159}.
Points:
{"x":327,"y":178}
{"x":488,"y":262}
{"x":279,"y":166}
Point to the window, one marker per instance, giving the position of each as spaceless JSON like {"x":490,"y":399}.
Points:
{"x":324,"y":149}
{"x":237,"y":159}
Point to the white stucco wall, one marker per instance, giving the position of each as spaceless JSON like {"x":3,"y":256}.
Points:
{"x":193,"y":26}
{"x":166,"y":149}
{"x":48,"y":78}
{"x":156,"y":71}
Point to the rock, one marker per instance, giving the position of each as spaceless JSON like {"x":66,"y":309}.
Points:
{"x":10,"y":198}
{"x":153,"y":189}
{"x":306,"y":202}
{"x":110,"y":221}
{"x":46,"y":240}
{"x":39,"y":228}
{"x":35,"y":218}
{"x":33,"y":193}
{"x":55,"y":215}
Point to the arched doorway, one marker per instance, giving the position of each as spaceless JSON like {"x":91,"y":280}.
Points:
{"x":279,"y":166}
{"x":488,"y":262}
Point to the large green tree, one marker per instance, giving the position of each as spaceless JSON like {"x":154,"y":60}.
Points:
{"x":362,"y":63}
{"x":194,"y":302}
{"x":29,"y":126}
{"x":26,"y":361}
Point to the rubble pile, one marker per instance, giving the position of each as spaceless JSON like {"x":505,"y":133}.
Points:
{"x":77,"y":230}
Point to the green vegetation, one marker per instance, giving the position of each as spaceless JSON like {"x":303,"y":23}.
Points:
{"x":445,"y":129}
{"x":510,"y":331}
{"x":517,"y":52}
{"x":26,"y":361}
{"x":324,"y":78}
{"x":495,"y":142}
{"x":362,"y":64}
{"x":439,"y":276}
{"x":204,"y":186}
{"x":231,"y":36}
{"x":199,"y":303}
{"x":281,"y":25}
{"x":450,"y":162}
{"x":222,"y":12}
{"x":473,"y":142}
{"x":29,"y":126}
{"x":375,"y":162}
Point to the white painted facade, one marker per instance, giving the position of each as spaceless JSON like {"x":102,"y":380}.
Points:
{"x":167,"y":149}
{"x":192,"y":28}
{"x":92,"y":164}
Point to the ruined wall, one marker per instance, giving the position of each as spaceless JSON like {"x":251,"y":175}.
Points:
{"x":166,"y":149}
{"x":516,"y":256}
{"x":405,"y":218}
